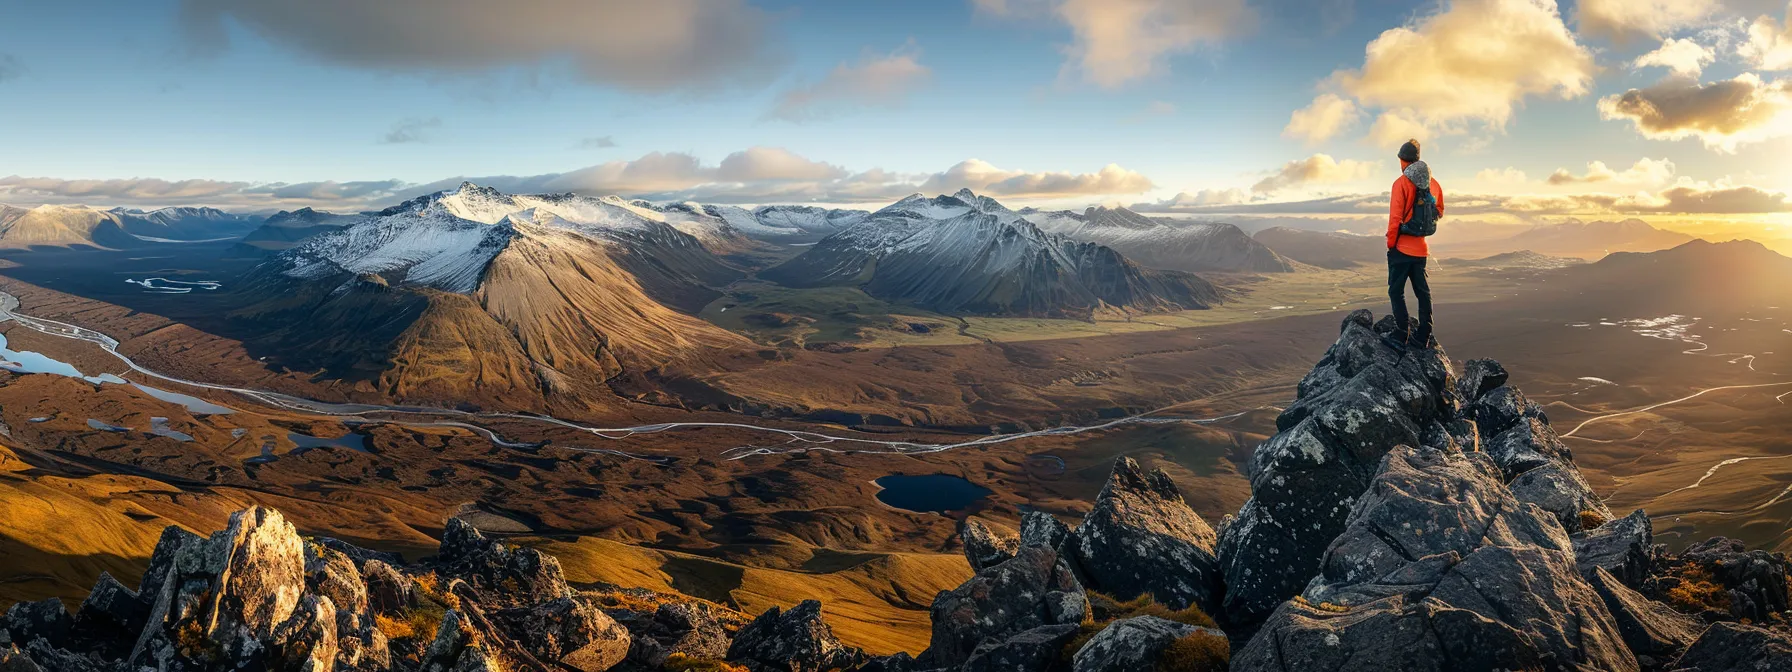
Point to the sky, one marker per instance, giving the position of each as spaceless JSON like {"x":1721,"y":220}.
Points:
{"x":1527,"y":109}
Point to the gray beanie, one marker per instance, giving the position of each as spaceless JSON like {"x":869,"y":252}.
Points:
{"x":1409,"y":152}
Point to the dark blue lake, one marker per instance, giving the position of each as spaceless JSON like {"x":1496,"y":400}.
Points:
{"x":933,"y":493}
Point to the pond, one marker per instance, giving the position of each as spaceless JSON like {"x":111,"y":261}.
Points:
{"x":34,"y":362}
{"x":932,"y":493}
{"x":305,"y":442}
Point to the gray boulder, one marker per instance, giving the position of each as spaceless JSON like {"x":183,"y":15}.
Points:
{"x":568,"y":631}
{"x":1480,"y":376}
{"x":306,"y":642}
{"x":1133,"y":644}
{"x":1038,"y":528}
{"x":1651,"y":629}
{"x":517,"y":576}
{"x":1756,"y":579}
{"x":794,"y":640}
{"x":1731,"y":647}
{"x":388,"y":591}
{"x":688,"y":628}
{"x":1141,"y":538}
{"x":1621,"y":547}
{"x":983,"y":547}
{"x":44,"y":619}
{"x":1036,"y":649}
{"x":1032,"y":590}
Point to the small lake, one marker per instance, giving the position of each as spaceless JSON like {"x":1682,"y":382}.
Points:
{"x":932,"y":493}
{"x":351,"y":441}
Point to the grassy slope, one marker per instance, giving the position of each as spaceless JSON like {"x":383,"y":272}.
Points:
{"x":879,"y":605}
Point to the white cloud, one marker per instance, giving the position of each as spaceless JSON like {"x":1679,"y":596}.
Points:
{"x":1475,"y":62}
{"x":1624,"y":20}
{"x":1329,"y":115}
{"x":596,"y":142}
{"x":978,"y":175}
{"x":1722,"y":114}
{"x":1393,"y":128}
{"x":1769,"y":44}
{"x":877,"y":80}
{"x":1206,"y":197}
{"x":1315,"y":169}
{"x":1682,"y":57}
{"x":1646,"y":172}
{"x":1122,"y":41}
{"x":772,"y":163}
{"x":658,"y":45}
{"x":414,"y":129}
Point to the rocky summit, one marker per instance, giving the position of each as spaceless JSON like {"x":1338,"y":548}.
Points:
{"x":1410,"y":513}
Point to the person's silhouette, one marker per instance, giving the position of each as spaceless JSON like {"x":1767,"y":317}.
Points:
{"x":1407,"y":249}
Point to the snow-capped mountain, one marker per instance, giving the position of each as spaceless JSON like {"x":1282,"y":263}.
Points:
{"x":1167,"y":244}
{"x":80,"y":225}
{"x":967,"y":253}
{"x":504,"y":297}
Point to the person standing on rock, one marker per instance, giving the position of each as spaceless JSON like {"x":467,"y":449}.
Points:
{"x":1417,"y":204}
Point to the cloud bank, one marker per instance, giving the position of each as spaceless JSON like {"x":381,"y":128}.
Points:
{"x":644,"y":46}
{"x":877,"y":80}
{"x":1117,"y":42}
{"x":1723,"y":115}
{"x":755,"y":175}
{"x":1471,"y":64}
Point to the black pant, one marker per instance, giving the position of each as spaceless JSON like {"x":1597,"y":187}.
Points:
{"x":1401,"y":268}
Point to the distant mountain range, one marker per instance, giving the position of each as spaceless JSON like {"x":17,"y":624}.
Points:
{"x":477,"y":295}
{"x":1592,"y":239}
{"x":1696,"y":278}
{"x":1522,"y":259}
{"x":969,"y":254}
{"x":1572,"y":238}
{"x":1325,"y":249}
{"x":285,"y":229}
{"x":1167,"y":244}
{"x":117,"y":228}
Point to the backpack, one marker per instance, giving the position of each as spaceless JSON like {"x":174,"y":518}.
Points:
{"x":1421,"y":221}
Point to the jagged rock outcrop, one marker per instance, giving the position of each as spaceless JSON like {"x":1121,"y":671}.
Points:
{"x":1034,"y":589}
{"x":1142,"y":538}
{"x":983,"y":547}
{"x":1035,"y":649}
{"x":1132,"y":644}
{"x":1442,"y":568}
{"x":1753,"y":583}
{"x":1653,"y":631}
{"x":1038,"y":528}
{"x":689,"y":629}
{"x":1359,"y":402}
{"x":487,"y":565}
{"x":793,"y":640}
{"x":1622,"y":547}
{"x":1729,"y":647}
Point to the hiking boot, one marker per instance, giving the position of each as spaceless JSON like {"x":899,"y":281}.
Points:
{"x":1422,"y":341}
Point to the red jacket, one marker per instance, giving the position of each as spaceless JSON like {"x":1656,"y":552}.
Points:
{"x":1401,"y":206}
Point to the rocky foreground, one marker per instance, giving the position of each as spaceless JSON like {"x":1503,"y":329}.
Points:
{"x":1405,"y":516}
